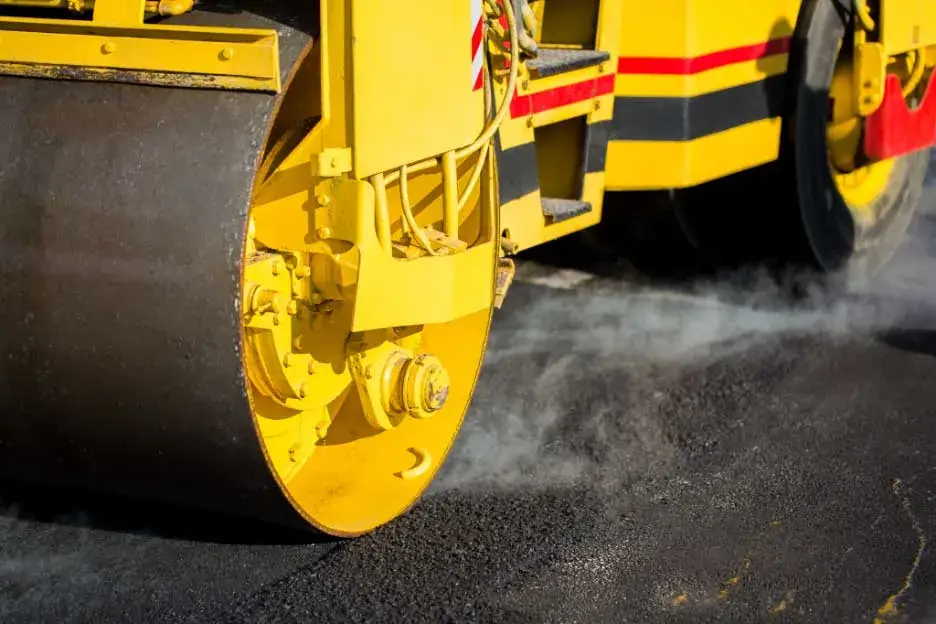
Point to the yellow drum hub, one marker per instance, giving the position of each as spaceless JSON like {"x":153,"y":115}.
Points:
{"x":353,"y":424}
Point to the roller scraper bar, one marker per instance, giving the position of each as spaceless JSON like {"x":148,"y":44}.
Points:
{"x":117,"y":45}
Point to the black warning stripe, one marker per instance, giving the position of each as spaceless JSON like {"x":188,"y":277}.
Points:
{"x":651,"y":119}
{"x":686,"y":119}
{"x":517,"y":175}
{"x":517,"y":169}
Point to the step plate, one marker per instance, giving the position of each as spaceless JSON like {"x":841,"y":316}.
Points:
{"x":551,"y":61}
{"x":558,"y":210}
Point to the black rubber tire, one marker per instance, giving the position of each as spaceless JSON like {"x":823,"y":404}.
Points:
{"x":838,"y":245}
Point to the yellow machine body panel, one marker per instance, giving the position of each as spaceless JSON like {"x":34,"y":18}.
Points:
{"x":698,"y":90}
{"x":418,"y":99}
{"x":907,"y":25}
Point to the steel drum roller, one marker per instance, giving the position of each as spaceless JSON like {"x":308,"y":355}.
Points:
{"x":124,"y":212}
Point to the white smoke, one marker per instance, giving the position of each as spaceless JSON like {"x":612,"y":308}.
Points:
{"x":564,"y":336}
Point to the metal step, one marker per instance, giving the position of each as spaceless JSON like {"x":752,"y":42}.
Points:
{"x":558,"y":210}
{"x":552,"y":61}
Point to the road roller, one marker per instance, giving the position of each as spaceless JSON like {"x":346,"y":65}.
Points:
{"x":250,"y":250}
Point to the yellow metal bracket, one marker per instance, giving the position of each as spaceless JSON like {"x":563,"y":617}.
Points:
{"x":446,"y":287}
{"x":331,"y":162}
{"x":898,"y":27}
{"x":870,"y":70}
{"x":116,"y":45}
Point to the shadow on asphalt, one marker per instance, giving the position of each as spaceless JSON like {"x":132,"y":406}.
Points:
{"x":640,"y":241}
{"x":70,"y":507}
{"x":922,"y":341}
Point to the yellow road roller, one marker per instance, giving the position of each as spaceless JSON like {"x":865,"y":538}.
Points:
{"x":250,"y":251}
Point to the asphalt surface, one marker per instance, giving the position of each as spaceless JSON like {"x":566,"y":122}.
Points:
{"x":633,"y":454}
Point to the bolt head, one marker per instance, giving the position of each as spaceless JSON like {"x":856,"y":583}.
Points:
{"x":435,"y":388}
{"x":276,"y":304}
{"x":426,"y":386}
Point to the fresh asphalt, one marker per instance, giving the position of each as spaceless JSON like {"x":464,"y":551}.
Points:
{"x":633,"y":454}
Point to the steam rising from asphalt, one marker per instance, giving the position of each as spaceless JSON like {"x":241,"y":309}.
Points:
{"x":567,"y":342}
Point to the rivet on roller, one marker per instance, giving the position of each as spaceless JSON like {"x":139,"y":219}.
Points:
{"x":109,"y":47}
{"x":226,"y":54}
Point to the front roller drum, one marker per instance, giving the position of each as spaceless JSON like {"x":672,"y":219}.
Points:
{"x":157,"y":345}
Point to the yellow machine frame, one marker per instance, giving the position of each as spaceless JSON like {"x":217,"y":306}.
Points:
{"x":684,"y":97}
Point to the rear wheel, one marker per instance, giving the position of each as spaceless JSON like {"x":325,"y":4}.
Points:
{"x":855,"y":212}
{"x":849,"y":215}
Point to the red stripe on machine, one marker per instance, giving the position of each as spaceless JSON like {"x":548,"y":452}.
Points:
{"x":524,"y":105}
{"x":697,"y":64}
